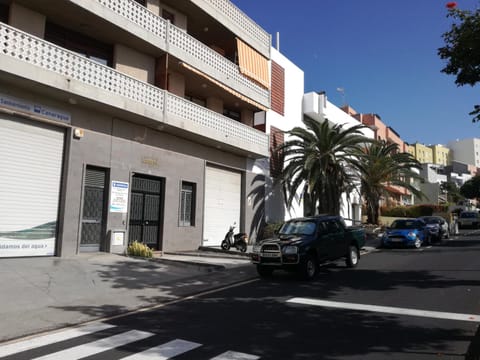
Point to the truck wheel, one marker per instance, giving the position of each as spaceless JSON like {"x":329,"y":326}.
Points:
{"x":352,"y":256}
{"x":309,"y":268}
{"x":264,"y":271}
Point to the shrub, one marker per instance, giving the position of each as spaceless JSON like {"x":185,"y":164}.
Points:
{"x":139,"y":249}
{"x":413,"y":211}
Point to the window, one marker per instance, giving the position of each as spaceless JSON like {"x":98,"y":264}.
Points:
{"x":4,"y":13}
{"x":232,"y":114}
{"x":81,"y":44}
{"x":187,"y":204}
{"x":167,"y":15}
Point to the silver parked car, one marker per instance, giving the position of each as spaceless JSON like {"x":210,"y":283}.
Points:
{"x":438,"y":226}
{"x":468,"y":219}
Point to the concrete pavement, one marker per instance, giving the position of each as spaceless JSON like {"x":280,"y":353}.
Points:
{"x":45,"y":293}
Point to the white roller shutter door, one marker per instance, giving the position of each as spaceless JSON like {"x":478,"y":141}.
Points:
{"x":31,"y":165}
{"x":222,"y":204}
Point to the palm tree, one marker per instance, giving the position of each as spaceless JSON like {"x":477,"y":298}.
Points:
{"x":319,"y":163}
{"x":381,"y":167}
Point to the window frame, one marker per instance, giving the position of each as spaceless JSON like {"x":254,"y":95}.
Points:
{"x":183,"y":219}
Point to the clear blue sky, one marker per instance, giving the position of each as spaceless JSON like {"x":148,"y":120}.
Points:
{"x":383,"y":53}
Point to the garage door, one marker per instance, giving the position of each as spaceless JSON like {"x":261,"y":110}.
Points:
{"x":222,"y":204}
{"x":30,"y":162}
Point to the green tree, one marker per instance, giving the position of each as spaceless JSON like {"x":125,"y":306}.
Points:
{"x":381,"y":167}
{"x":452,"y":191}
{"x":471,"y":188}
{"x":462,"y":50}
{"x":319,"y":164}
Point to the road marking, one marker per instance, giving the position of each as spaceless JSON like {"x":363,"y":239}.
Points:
{"x":30,"y":343}
{"x":95,"y":347}
{"x":387,"y":309}
{"x":232,"y":355}
{"x":165,"y":351}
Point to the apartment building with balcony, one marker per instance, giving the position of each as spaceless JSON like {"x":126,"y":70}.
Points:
{"x":125,"y":120}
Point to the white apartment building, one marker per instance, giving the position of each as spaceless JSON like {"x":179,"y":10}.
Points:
{"x":285,"y":114}
{"x":317,"y":107}
{"x":465,"y":151}
{"x":126,"y":120}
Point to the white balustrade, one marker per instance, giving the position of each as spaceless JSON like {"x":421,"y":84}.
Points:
{"x":24,"y":47}
{"x":146,"y":19}
{"x":233,"y":131}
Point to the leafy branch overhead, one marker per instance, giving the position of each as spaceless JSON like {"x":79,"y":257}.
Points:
{"x":462,"y":49}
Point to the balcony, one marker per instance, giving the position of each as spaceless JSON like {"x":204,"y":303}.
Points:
{"x":35,"y":60}
{"x":160,"y":33}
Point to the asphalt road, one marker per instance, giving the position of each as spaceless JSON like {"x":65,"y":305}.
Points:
{"x":397,"y":304}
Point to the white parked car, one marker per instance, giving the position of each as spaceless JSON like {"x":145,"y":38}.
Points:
{"x":468,"y":219}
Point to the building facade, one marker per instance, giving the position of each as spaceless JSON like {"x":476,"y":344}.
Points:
{"x":128,"y":120}
{"x":465,"y":151}
{"x":441,"y":154}
{"x":317,"y":107}
{"x":287,"y":88}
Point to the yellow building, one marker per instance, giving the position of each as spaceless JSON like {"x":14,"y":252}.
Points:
{"x":441,"y":154}
{"x":410,"y":149}
{"x":423,"y":153}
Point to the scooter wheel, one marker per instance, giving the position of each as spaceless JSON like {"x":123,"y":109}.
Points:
{"x":225,"y":245}
{"x":243,"y":248}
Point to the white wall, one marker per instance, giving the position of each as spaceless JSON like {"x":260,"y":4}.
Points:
{"x":275,"y":209}
{"x":465,"y":151}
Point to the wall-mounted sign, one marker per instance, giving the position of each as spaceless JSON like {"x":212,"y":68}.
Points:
{"x":118,"y":238}
{"x":119,"y":197}
{"x":16,"y":104}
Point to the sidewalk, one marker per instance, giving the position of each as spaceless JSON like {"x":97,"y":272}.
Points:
{"x":45,"y":293}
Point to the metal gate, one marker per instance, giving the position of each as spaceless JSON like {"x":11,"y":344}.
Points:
{"x":94,"y":205}
{"x":146,"y":210}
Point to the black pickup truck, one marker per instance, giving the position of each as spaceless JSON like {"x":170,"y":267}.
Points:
{"x":302,"y":244}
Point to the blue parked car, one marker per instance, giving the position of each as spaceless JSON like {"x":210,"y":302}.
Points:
{"x":406,"y":232}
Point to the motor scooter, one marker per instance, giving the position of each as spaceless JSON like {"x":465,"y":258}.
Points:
{"x":238,"y":241}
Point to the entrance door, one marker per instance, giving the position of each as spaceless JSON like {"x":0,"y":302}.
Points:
{"x":146,"y":210}
{"x":94,"y":205}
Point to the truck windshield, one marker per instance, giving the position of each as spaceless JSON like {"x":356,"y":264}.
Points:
{"x":298,"y":227}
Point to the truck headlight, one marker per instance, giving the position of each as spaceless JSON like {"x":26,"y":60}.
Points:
{"x":290,"y":250}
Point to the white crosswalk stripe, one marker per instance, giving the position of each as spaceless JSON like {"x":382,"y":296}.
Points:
{"x":78,"y":352}
{"x":232,"y":355}
{"x":165,"y":351}
{"x":16,"y":347}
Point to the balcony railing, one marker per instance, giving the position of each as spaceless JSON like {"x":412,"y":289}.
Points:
{"x":238,"y":17}
{"x":186,"y":47}
{"x":18,"y":45}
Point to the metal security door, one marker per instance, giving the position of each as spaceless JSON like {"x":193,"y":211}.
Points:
{"x":94,"y":205}
{"x":146,"y":210}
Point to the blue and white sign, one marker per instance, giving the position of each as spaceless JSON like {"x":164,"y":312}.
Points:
{"x":15,"y":104}
{"x":119,"y":197}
